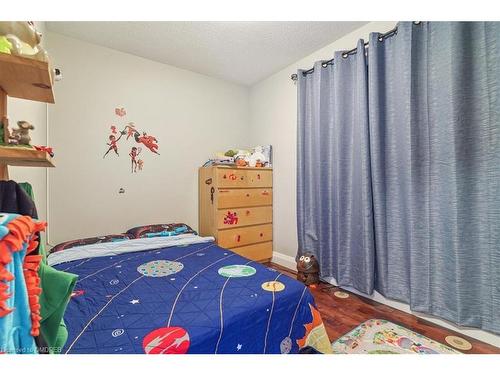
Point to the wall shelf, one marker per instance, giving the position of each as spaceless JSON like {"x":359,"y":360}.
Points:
{"x":25,"y":157}
{"x":25,"y":78}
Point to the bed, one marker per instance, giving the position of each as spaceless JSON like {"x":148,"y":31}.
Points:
{"x":183,"y":294}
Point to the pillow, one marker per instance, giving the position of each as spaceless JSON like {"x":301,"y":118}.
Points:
{"x":158,"y":230}
{"x":90,"y":241}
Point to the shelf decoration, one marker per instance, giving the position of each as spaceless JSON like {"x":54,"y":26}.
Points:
{"x":21,"y":38}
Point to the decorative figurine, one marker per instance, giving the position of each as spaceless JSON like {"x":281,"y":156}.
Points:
{"x":24,"y":39}
{"x":47,"y":149}
{"x":308,"y":269}
{"x":21,"y":136}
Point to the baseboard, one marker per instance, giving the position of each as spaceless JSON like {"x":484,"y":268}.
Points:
{"x":490,"y":338}
{"x":284,"y":260}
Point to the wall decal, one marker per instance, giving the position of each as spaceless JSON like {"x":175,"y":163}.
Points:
{"x":147,"y":140}
{"x":113,"y":143}
{"x":120,"y":112}
{"x":130,"y":127}
{"x":134,"y":153}
{"x":133,"y":135}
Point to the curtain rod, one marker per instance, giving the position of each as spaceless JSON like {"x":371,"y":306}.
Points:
{"x":324,"y":64}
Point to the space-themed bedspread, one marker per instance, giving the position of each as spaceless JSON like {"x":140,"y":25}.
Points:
{"x":192,"y":298}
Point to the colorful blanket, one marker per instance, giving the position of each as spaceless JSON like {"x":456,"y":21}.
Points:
{"x":19,"y":284}
{"x":193,"y":298}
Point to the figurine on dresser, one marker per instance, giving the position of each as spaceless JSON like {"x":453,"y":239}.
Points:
{"x":308,"y":269}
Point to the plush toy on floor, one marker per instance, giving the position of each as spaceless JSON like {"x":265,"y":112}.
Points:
{"x":308,"y":270}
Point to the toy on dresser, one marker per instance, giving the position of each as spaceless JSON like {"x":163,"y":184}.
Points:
{"x":260,"y":156}
{"x":308,"y":269}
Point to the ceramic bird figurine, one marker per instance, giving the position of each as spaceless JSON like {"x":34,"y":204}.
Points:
{"x":308,"y":269}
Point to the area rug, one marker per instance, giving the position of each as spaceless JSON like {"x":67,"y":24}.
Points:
{"x":377,"y":336}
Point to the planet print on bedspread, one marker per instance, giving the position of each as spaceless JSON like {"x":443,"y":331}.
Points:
{"x":160,"y":268}
{"x":167,"y":340}
{"x":237,"y":270}
{"x":286,"y":345}
{"x":273,"y":286}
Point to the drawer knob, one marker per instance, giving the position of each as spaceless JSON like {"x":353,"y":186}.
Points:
{"x":248,"y":194}
{"x":238,"y":238}
{"x":258,"y":176}
{"x":248,"y":212}
{"x":262,"y":234}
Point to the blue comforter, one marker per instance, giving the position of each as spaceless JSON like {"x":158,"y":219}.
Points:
{"x":197,"y":298}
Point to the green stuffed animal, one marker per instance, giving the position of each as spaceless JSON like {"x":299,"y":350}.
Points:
{"x":230,"y":153}
{"x":5,"y":45}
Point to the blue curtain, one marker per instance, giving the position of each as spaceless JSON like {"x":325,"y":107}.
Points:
{"x":335,"y":215}
{"x":432,"y":132}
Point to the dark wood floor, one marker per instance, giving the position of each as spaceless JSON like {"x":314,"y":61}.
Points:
{"x":342,"y":315}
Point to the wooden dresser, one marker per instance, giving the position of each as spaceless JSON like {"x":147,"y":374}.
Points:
{"x":236,"y":207}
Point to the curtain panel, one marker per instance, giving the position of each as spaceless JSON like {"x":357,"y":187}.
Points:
{"x":399,"y":169}
{"x":334,"y":208}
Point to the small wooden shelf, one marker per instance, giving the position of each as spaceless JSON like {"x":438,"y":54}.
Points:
{"x":25,"y":157}
{"x":25,"y":78}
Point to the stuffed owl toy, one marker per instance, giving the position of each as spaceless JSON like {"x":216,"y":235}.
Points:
{"x":308,"y":269}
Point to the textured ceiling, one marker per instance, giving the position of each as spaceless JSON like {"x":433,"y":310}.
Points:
{"x":240,"y":52}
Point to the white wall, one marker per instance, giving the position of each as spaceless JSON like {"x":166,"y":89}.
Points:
{"x":191,"y":115}
{"x":273,"y":119}
{"x":36,"y":114}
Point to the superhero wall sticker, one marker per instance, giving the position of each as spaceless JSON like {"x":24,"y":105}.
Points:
{"x":131,"y":137}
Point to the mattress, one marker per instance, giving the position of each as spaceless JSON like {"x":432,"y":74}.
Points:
{"x":180,"y":295}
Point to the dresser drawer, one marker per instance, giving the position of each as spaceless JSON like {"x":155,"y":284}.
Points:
{"x":260,"y":251}
{"x":229,"y":238}
{"x":236,"y":178}
{"x":244,"y":197}
{"x":237,"y":217}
